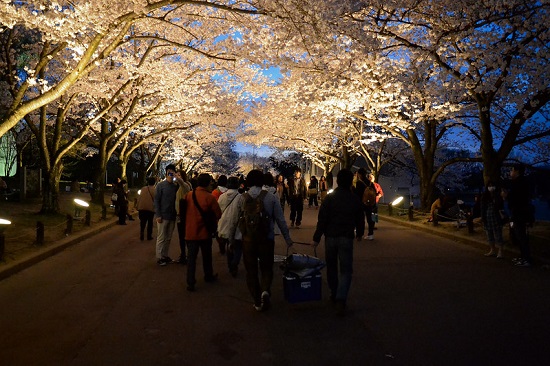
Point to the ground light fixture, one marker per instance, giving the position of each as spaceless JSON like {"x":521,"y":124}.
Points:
{"x":397,"y":201}
{"x":3,"y":224}
{"x":78,"y":205}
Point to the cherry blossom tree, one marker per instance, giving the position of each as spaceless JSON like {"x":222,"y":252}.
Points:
{"x":495,"y":51}
{"x":81,"y":35}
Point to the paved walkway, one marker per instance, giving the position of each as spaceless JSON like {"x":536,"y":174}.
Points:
{"x":416,"y":299}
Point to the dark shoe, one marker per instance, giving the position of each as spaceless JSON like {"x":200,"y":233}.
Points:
{"x":191,"y":288}
{"x":292,"y":224}
{"x":266,"y":301}
{"x":150,"y":238}
{"x":522,"y":263}
{"x":162,"y":262}
{"x":340,"y":308}
{"x":212,"y":278}
{"x":182,"y":261}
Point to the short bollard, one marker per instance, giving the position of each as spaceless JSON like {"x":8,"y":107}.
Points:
{"x":470,"y":224}
{"x":88,"y":218}
{"x":2,"y":245}
{"x":39,"y":233}
{"x":103,"y":212}
{"x":411,"y":213}
{"x":436,"y":218}
{"x":69,"y":228}
{"x":390,"y":209}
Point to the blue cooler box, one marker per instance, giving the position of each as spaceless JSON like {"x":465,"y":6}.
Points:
{"x":302,"y":289}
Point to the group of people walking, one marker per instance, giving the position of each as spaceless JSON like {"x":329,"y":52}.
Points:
{"x":244,"y":215}
{"x":202,"y":215}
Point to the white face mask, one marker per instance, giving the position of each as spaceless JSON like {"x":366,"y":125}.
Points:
{"x":491,"y":188}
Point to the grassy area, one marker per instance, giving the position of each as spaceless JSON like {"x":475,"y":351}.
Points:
{"x":539,"y":234}
{"x":21,"y":235}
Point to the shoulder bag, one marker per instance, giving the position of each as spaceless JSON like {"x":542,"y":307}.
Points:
{"x":209,"y":218}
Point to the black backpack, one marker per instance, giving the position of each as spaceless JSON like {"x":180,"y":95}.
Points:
{"x":253,"y":220}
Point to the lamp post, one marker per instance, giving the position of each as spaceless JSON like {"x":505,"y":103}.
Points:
{"x":3,"y":224}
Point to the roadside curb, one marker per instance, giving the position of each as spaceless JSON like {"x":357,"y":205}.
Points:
{"x":480,"y":244}
{"x":428,"y":229}
{"x":57,"y":247}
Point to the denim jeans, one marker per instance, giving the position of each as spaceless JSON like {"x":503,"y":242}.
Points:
{"x":193,"y":247}
{"x":519,"y":237}
{"x":339,"y":258}
{"x":370,"y":221}
{"x":254,"y":252}
{"x":234,"y":255}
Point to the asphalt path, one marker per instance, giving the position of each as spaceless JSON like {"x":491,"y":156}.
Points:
{"x":416,"y":299}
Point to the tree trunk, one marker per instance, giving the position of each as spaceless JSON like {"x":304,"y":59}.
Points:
{"x":50,"y":195}
{"x":99,"y":194}
{"x":492,"y":162}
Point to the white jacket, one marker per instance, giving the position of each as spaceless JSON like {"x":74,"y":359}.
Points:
{"x":229,"y":204}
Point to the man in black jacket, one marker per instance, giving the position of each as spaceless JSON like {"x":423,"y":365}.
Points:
{"x":297,"y":192}
{"x":341,"y":219}
{"x":521,"y":214}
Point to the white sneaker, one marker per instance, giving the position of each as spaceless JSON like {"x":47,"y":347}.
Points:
{"x":370,"y":237}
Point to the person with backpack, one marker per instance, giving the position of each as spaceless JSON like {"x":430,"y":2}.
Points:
{"x":259,"y":210}
{"x":366,"y":196}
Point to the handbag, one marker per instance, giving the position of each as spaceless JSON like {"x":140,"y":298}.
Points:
{"x":114,"y":197}
{"x":209,"y":218}
{"x":312,"y":191}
